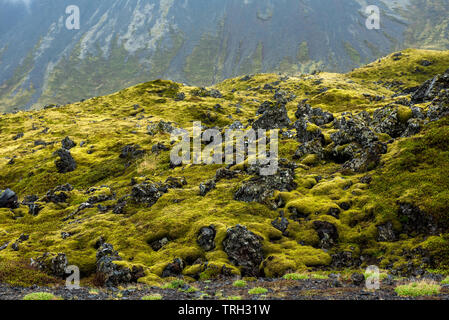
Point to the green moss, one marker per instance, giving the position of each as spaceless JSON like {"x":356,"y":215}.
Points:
{"x":296,"y":276}
{"x":40,"y":296}
{"x":258,"y":290}
{"x":239,"y":284}
{"x":418,"y":289}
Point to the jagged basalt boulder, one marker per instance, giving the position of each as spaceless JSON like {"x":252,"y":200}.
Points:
{"x":65,"y":163}
{"x":310,"y":147}
{"x":395,"y":120}
{"x":244,"y":250}
{"x":131,"y":152}
{"x":8,"y":199}
{"x":368,"y":159}
{"x":159,"y":244}
{"x":207,"y":187}
{"x":306,"y":131}
{"x":147,"y":193}
{"x":68,"y":143}
{"x":344,"y":260}
{"x":386,"y":233}
{"x":430,"y":89}
{"x":414,"y":221}
{"x":224,"y":173}
{"x":175,"y":182}
{"x":53,"y":264}
{"x":314,"y":115}
{"x":273,"y":118}
{"x":261,"y":188}
{"x":111,"y":273}
{"x":58,"y":194}
{"x":206,"y":238}
{"x":281,"y":223}
{"x":327,"y":233}
{"x":174,"y":269}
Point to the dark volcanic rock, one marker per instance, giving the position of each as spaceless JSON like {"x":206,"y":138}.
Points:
{"x":430,"y":89}
{"x":414,"y":221}
{"x":174,"y":269}
{"x":159,"y":244}
{"x":305,"y":131}
{"x":313,"y":115}
{"x":67,"y":143}
{"x":244,"y":249}
{"x":327,"y":233}
{"x":357,"y":279}
{"x":131,"y":152}
{"x":175,"y":182}
{"x":147,"y":193}
{"x":8,"y":199}
{"x":369,"y":158}
{"x":206,"y":238}
{"x":344,"y":260}
{"x":273,"y":118}
{"x":111,"y":273}
{"x":280,"y":223}
{"x":260,"y":188}
{"x":53,"y":264}
{"x":224,"y":173}
{"x":207,"y":187}
{"x":386,"y":233}
{"x":58,"y":194}
{"x":65,"y":163}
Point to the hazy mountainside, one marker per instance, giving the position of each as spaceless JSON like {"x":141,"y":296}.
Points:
{"x":363,"y":179}
{"x":199,"y":42}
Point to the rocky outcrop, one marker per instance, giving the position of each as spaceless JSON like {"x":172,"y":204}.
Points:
{"x":207,"y":187}
{"x":386,"y":233}
{"x":65,"y":163}
{"x":327,"y":233}
{"x":314,"y":115}
{"x":430,"y":89}
{"x":274,"y":117}
{"x":131,"y":152}
{"x":111,"y":273}
{"x":8,"y":199}
{"x":68,"y":143}
{"x":53,"y":264}
{"x":206,"y":238}
{"x":414,"y":221}
{"x":261,"y":188}
{"x":174,"y":269}
{"x":244,"y":250}
{"x":147,"y":193}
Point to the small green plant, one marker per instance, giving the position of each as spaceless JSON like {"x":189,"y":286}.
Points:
{"x":418,"y":289}
{"x":296,"y":276}
{"x":382,"y":275}
{"x":152,"y":297}
{"x":234,"y":298}
{"x":320,"y":276}
{"x":240,"y":284}
{"x":40,"y":296}
{"x":258,"y":290}
{"x":445,"y":280}
{"x":175,"y":284}
{"x":189,"y":290}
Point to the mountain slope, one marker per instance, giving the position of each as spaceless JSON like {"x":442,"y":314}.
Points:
{"x":346,"y":202}
{"x":122,"y":43}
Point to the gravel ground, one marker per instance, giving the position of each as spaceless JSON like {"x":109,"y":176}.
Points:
{"x":216,"y":290}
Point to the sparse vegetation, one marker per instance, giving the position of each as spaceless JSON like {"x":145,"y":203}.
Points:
{"x":40,"y":296}
{"x":258,"y":290}
{"x":418,"y":289}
